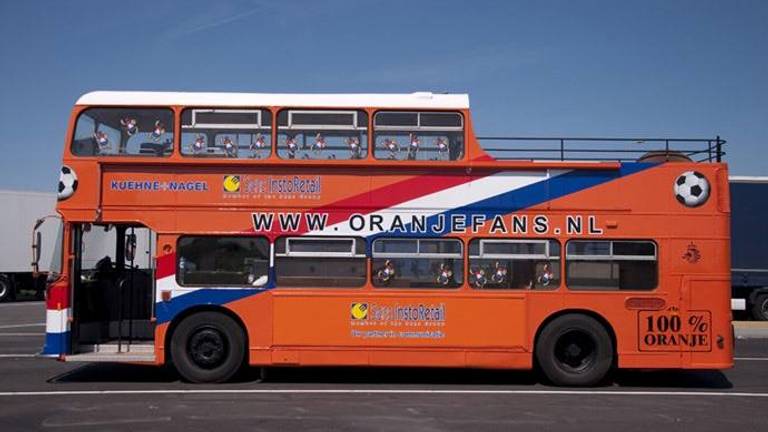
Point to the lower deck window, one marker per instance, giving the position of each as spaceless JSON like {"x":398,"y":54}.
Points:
{"x":417,"y":263}
{"x":611,"y":265}
{"x":514,"y":264}
{"x":223,"y":261}
{"x":320,"y":262}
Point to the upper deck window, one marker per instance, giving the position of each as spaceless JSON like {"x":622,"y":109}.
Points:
{"x":322,"y":134}
{"x":437,"y":136}
{"x":123,"y":131}
{"x":226,"y":133}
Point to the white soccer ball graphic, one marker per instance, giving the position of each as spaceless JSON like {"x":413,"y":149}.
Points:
{"x":692,"y":189}
{"x":67,"y":182}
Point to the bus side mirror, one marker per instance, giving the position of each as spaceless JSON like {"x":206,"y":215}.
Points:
{"x":130,"y":247}
{"x":36,"y":245}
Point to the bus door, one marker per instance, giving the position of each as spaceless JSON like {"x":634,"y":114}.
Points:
{"x":113,"y":288}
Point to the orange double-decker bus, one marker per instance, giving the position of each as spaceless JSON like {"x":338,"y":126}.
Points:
{"x":216,"y":230}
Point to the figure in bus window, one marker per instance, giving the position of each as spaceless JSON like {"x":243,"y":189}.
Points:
{"x":477,"y":277}
{"x":293,"y":147}
{"x":102,"y":140}
{"x":545,"y":275}
{"x":257,"y":145}
{"x":413,"y":147}
{"x":392,"y":146}
{"x":158,"y":131}
{"x":130,"y":125}
{"x":198,"y":147}
{"x":319,"y":144}
{"x":230,"y":149}
{"x":499,"y":273}
{"x":445,"y":275}
{"x":355,"y":149}
{"x":442,"y":147}
{"x":385,"y":274}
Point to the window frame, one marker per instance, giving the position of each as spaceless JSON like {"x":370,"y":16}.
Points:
{"x":298,"y":254}
{"x":182,"y":285}
{"x":222,"y":128}
{"x":175,"y":140}
{"x":258,"y":111}
{"x":418,"y":126}
{"x":297,"y":126}
{"x":610,"y":258}
{"x":418,"y":253}
{"x":547,"y":255}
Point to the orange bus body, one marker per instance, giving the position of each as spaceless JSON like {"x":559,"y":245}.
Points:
{"x":684,"y":322}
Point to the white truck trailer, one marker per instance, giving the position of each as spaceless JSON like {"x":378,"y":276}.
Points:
{"x":19,"y":213}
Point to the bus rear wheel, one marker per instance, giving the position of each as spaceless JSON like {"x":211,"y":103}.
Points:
{"x":208,"y":347}
{"x":760,"y":308}
{"x":574,"y":350}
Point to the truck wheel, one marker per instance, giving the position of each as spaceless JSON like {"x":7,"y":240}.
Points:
{"x":208,"y":347}
{"x":574,"y":350}
{"x":760,"y":307}
{"x":6,"y":288}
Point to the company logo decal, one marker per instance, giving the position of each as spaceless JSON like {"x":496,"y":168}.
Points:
{"x":231,"y":183}
{"x":359,"y":311}
{"x":273,"y":187}
{"x":398,"y":321}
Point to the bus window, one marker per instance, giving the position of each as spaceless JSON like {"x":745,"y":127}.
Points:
{"x":437,"y":136}
{"x":123,"y":131}
{"x":222,"y":261}
{"x":226,"y":133}
{"x":611,"y":265}
{"x":417,"y":263}
{"x":514,"y":264}
{"x":303,"y":134}
{"x":320,"y":262}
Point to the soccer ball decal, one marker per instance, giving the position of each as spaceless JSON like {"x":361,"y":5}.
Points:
{"x":692,"y":188}
{"x":67,"y":182}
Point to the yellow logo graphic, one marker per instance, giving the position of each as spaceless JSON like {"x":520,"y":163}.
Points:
{"x":232,"y":183}
{"x":359,"y":311}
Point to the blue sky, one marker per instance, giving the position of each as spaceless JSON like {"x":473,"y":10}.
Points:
{"x":532,"y":68}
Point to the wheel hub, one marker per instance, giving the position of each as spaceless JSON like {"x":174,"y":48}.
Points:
{"x":207,"y":348}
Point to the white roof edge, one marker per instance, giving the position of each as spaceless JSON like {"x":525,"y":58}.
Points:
{"x":418,"y":100}
{"x":749,"y":179}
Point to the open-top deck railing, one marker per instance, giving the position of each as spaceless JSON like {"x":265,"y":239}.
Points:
{"x":603,"y":149}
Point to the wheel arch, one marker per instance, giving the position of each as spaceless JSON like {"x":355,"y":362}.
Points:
{"x":181,"y":316}
{"x":590,"y":313}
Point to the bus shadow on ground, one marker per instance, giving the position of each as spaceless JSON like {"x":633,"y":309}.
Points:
{"x":128,"y":373}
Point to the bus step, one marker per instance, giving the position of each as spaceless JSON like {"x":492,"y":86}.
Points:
{"x":112,"y":357}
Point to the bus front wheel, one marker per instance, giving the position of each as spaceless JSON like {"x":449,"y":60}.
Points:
{"x":574,"y":350}
{"x":208,"y":347}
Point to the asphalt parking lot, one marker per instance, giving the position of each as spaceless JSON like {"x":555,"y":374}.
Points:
{"x":43,"y":394}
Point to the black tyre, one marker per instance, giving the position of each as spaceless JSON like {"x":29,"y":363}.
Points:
{"x":208,"y":347}
{"x":6,"y":288}
{"x":760,"y":307}
{"x":574,"y":350}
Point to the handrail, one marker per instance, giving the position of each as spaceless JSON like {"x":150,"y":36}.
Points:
{"x":564,"y":147}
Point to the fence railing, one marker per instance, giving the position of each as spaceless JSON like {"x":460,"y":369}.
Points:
{"x":604,"y":149}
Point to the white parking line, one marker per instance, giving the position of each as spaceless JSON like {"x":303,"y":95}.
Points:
{"x":22,"y":334}
{"x":385,"y":391}
{"x":34,"y":303}
{"x":751,"y":358}
{"x":17,"y":355}
{"x":22,"y":325}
